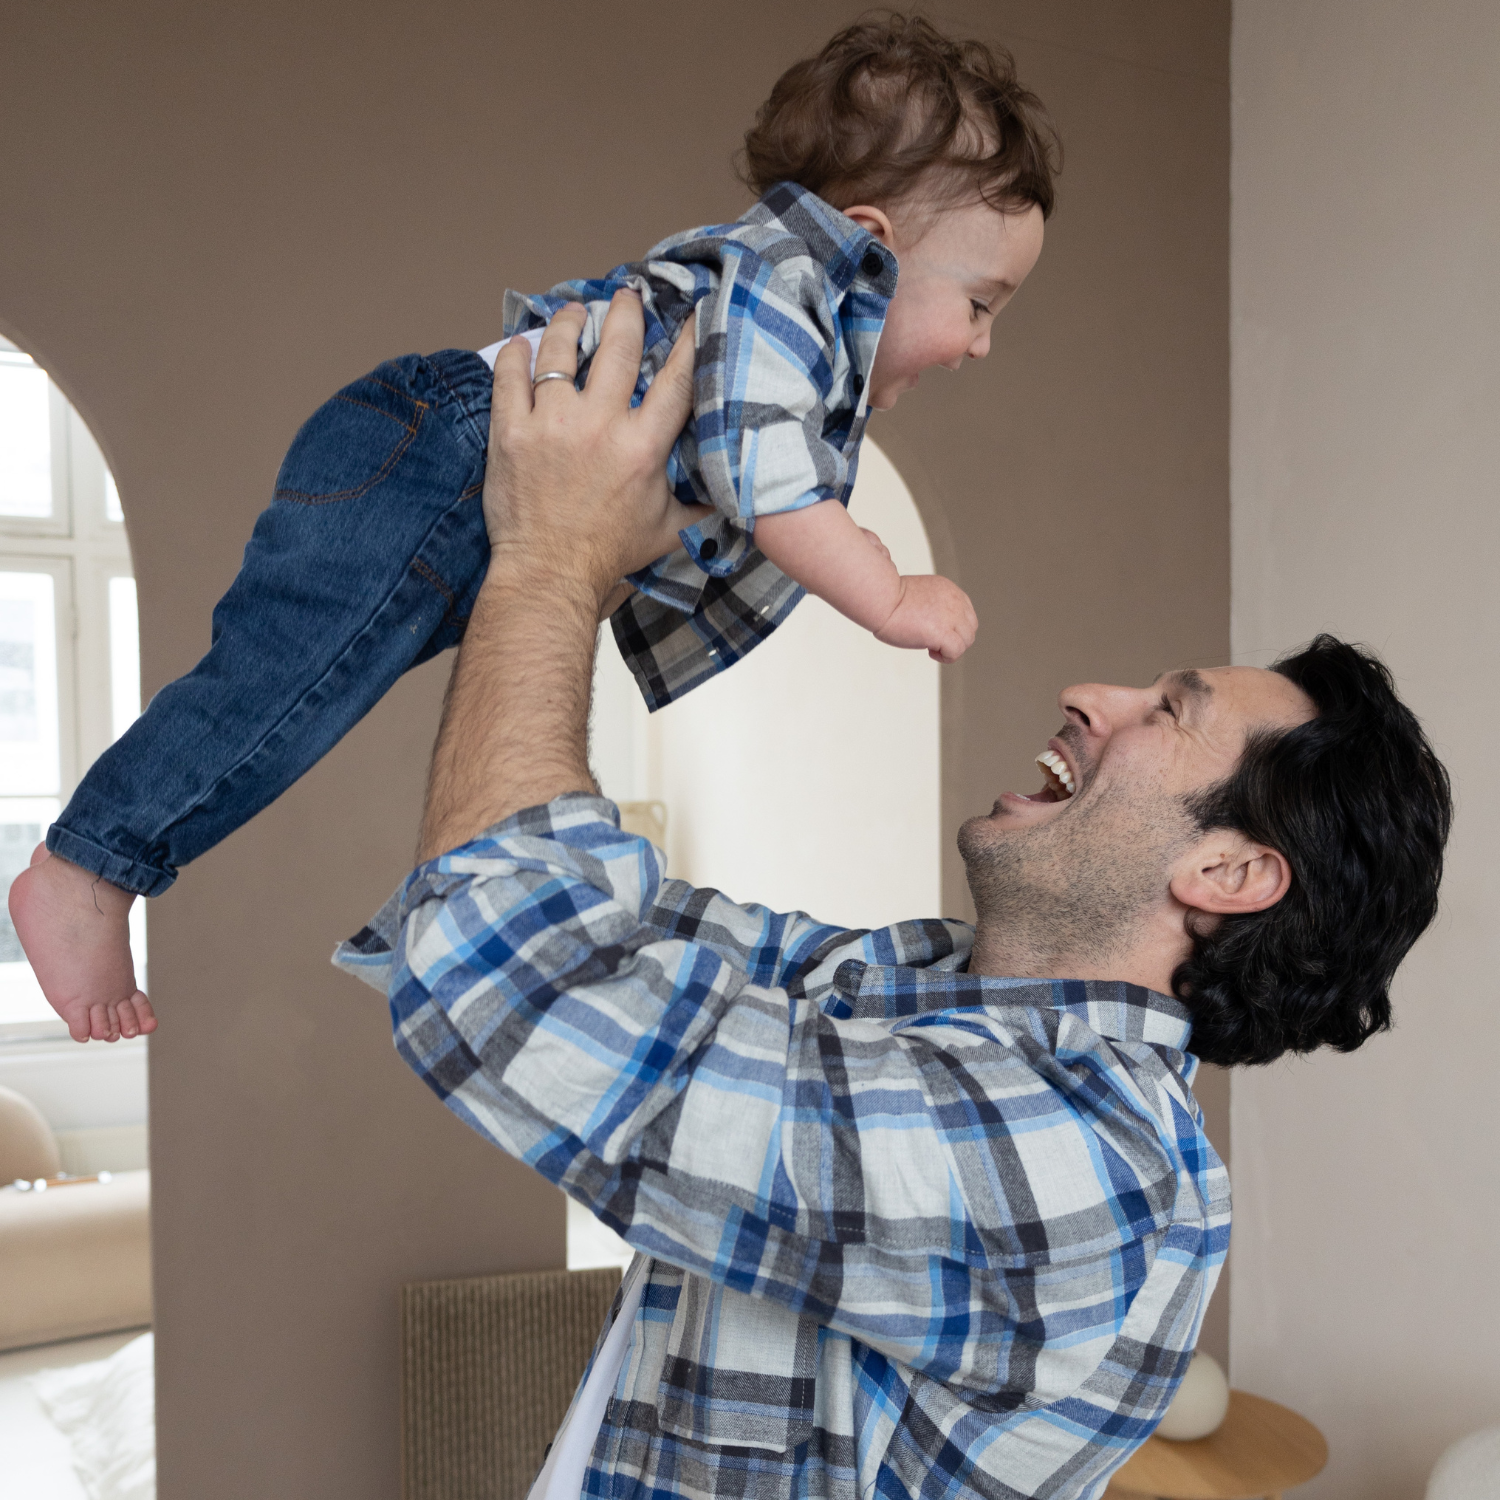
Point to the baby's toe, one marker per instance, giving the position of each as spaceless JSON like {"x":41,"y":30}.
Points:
{"x":135,"y":1015}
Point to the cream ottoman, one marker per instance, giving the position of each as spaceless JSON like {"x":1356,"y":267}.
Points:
{"x":77,"y":1257}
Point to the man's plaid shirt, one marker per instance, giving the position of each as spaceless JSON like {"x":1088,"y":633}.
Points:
{"x":791,"y":300}
{"x":906,"y":1231}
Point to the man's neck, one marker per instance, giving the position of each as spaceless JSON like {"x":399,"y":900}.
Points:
{"x":1007,"y":954}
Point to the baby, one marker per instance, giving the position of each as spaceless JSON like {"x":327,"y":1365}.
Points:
{"x":903,"y":181}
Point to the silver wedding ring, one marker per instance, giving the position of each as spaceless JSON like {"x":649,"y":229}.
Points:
{"x":551,"y":375}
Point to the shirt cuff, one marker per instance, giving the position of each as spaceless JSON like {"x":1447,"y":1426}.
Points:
{"x":575,"y":836}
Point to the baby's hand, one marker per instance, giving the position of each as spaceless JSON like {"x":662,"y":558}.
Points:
{"x":934,"y":615}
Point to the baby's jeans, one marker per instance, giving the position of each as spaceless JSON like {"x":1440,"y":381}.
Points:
{"x":366,"y":563}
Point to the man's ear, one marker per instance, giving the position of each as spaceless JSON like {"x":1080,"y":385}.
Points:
{"x":1226,"y":873}
{"x":873,"y":221}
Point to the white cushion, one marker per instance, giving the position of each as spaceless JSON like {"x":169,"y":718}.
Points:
{"x":107,"y":1412}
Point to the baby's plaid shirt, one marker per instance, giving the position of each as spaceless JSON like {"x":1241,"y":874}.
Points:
{"x":791,"y":299}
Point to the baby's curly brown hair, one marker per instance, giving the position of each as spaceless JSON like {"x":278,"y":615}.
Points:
{"x":891,"y":112}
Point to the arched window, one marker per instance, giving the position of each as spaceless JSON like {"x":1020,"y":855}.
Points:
{"x":70,"y":678}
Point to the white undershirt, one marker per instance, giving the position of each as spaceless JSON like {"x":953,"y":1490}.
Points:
{"x":562,"y":1475}
{"x":490,"y":351}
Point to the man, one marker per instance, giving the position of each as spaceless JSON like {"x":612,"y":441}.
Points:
{"x":922,"y":1211}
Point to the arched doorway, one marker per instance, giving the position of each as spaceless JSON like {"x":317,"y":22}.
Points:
{"x":805,"y":778}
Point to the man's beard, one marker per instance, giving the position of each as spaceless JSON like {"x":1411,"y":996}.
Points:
{"x":1076,"y":889}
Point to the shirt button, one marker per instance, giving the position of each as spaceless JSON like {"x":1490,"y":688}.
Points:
{"x":873,"y":263}
{"x":859,"y":384}
{"x":709,"y":550}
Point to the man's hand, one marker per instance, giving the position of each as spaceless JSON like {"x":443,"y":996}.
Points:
{"x":575,"y":497}
{"x":576,"y":486}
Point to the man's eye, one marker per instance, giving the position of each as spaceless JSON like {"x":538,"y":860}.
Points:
{"x":1166,"y":706}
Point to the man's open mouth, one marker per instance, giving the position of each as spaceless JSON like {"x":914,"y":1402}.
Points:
{"x":1059,"y":784}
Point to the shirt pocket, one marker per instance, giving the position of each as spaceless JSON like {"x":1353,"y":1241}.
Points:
{"x":355,"y":440}
{"x":739,"y":1372}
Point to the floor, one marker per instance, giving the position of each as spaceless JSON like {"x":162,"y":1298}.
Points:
{"x":34,"y":1456}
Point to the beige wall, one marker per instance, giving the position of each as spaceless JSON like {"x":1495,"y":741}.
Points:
{"x":216,"y":214}
{"x":1366,"y":322}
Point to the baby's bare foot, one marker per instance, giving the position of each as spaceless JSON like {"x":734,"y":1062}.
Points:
{"x":75,"y":930}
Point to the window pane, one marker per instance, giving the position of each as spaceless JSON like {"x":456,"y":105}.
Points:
{"x":28,"y":686}
{"x":124,"y":656}
{"x":25,"y":438}
{"x":22,"y":824}
{"x":113,"y":510}
{"x":138,"y":944}
{"x":17,"y":840}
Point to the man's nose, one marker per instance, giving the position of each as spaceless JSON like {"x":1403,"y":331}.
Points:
{"x":1097,"y":707}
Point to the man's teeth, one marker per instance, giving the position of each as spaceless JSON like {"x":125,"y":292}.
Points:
{"x":1057,"y":770}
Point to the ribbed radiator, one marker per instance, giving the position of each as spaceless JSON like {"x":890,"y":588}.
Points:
{"x":488,"y":1366}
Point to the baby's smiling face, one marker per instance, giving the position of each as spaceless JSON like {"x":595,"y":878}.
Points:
{"x":955,"y":276}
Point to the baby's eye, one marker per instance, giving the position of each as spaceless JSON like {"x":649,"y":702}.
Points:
{"x":981,"y":309}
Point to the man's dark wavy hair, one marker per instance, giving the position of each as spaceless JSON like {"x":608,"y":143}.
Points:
{"x":1360,"y":806}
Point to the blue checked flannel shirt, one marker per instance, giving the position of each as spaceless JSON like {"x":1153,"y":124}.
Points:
{"x":791,"y":300}
{"x":905,"y":1231}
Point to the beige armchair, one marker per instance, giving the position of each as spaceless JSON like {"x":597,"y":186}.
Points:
{"x":76,"y":1258}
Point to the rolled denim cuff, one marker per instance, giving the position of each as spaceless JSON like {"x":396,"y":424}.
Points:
{"x":128,"y":874}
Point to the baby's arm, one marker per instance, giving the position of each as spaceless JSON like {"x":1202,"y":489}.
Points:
{"x":824,"y":549}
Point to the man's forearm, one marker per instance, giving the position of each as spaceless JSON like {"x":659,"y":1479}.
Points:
{"x":515,"y":724}
{"x":575,"y":499}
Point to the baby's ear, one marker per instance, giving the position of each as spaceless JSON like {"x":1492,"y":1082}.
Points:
{"x":1226,"y":872}
{"x":873,"y":221}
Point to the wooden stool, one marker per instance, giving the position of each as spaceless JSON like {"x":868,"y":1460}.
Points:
{"x":1260,"y":1450}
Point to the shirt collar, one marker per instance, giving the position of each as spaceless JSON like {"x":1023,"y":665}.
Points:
{"x":850,"y":255}
{"x":1112,"y":1008}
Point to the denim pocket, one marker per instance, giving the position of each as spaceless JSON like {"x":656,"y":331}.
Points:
{"x":353,"y":441}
